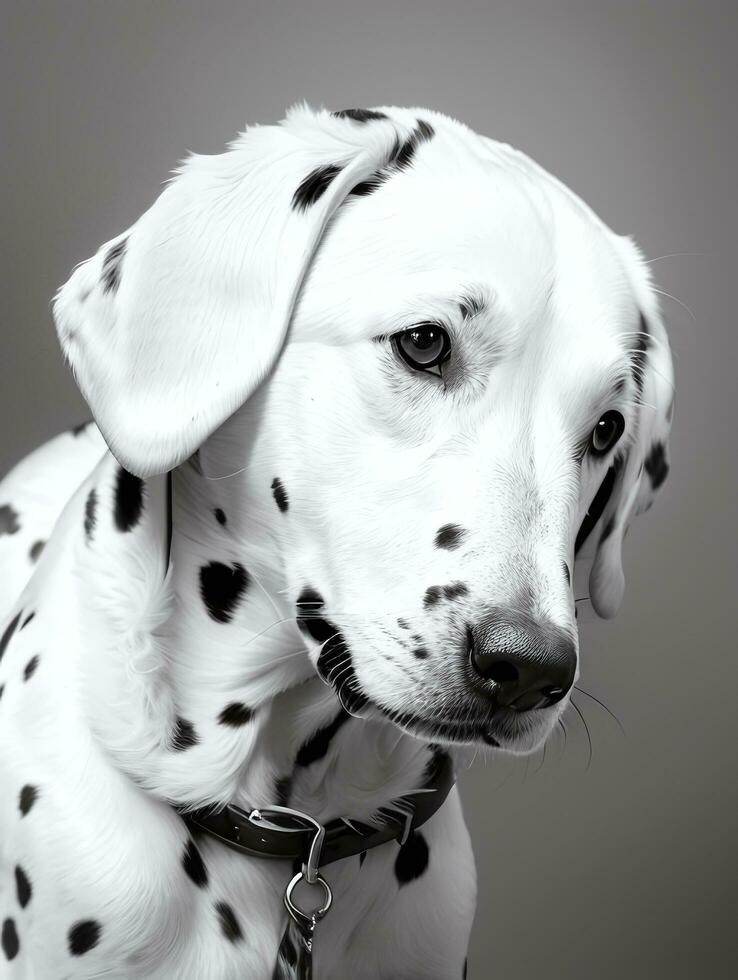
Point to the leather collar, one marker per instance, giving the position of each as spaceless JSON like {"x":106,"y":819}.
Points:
{"x":245,"y":831}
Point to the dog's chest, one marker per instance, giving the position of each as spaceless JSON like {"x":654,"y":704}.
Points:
{"x":116,"y":881}
{"x":100,"y":876}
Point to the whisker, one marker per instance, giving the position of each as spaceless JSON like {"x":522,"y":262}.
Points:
{"x":602,"y":705}
{"x":228,"y":476}
{"x":563,"y":729}
{"x":671,"y":255}
{"x":543,"y":759}
{"x":662,"y":292}
{"x":256,"y":579}
{"x":586,"y":728}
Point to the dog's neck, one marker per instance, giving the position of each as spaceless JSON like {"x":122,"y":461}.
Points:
{"x":202,"y":689}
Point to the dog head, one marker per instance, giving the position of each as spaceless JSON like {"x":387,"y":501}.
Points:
{"x":468,"y":385}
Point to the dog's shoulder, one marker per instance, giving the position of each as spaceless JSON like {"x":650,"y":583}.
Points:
{"x":33,"y":495}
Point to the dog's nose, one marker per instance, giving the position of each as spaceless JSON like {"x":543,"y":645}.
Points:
{"x":532,"y":664}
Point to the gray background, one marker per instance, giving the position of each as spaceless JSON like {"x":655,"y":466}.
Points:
{"x":625,"y":868}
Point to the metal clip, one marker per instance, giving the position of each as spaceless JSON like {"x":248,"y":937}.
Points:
{"x":307,"y":919}
{"x":309,"y":868}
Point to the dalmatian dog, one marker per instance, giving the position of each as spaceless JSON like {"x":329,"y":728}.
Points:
{"x":368,"y":388}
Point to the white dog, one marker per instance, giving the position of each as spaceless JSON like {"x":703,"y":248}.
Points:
{"x":400,"y":376}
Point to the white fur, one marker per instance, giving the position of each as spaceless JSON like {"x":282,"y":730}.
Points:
{"x":223,"y":285}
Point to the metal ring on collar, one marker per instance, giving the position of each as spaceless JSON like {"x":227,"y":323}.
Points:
{"x":298,"y":914}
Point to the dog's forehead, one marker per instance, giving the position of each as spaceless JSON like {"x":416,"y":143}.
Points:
{"x":461,"y":222}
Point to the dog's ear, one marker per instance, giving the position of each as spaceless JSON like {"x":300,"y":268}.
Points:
{"x":638,"y":474}
{"x":171,"y":325}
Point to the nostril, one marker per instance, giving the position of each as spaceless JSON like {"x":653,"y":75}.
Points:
{"x":501,"y":671}
{"x":553,"y":694}
{"x":531,"y":664}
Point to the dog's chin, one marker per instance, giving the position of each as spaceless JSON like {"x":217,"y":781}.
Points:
{"x":510,"y":733}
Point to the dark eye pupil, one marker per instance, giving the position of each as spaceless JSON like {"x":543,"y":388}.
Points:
{"x":423,"y":339}
{"x":607,"y":432}
{"x":423,"y":347}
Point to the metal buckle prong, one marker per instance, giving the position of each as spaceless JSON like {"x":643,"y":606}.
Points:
{"x":310,"y":867}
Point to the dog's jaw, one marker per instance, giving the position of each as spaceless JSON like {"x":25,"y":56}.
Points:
{"x":200,"y":687}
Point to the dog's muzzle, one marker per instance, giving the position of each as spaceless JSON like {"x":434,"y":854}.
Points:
{"x":523,"y":663}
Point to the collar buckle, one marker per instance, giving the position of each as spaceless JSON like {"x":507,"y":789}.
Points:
{"x":259,"y":817}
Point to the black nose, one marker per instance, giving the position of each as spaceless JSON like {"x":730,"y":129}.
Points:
{"x":532,"y":664}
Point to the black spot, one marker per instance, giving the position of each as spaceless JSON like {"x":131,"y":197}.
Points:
{"x":608,"y":529}
{"x":420,"y":652}
{"x":280,"y":494}
{"x":368,"y":186}
{"x":438,"y":758}
{"x":228,"y":922}
{"x":80,"y":427}
{"x":30,"y":667}
{"x":362,"y":858}
{"x":600,"y":501}
{"x":455,"y":590}
{"x":10,"y":941}
{"x":314,"y":186}
{"x":282,"y":790}
{"x":184,"y":735}
{"x":27,"y":620}
{"x":463,"y":972}
{"x":359,"y":115}
{"x":336,"y":668}
{"x":567,"y":572}
{"x":220,"y":515}
{"x":35,"y":550}
{"x":400,"y":157}
{"x":26,"y":799}
{"x":128,"y":500}
{"x":112,"y":266}
{"x":432,"y":596}
{"x":2,"y":688}
{"x":403,"y":624}
{"x":8,"y":633}
{"x":449,"y":536}
{"x":334,"y":661}
{"x":23,"y":888}
{"x":9,"y":520}
{"x":309,"y":603}
{"x":317,"y":745}
{"x":412,"y":860}
{"x":194,"y":865}
{"x":656,"y":465}
{"x":638,"y":354}
{"x":90,"y":513}
{"x":84,"y":936}
{"x":221,"y":587}
{"x":235,"y":714}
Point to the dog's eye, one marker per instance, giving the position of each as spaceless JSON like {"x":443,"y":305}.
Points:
{"x":424,"y":346}
{"x":606,"y":433}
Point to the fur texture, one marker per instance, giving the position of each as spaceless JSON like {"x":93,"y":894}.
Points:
{"x":345,"y":523}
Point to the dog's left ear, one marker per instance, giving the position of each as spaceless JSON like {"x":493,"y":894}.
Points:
{"x":639,"y":474}
{"x":171,"y":326}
